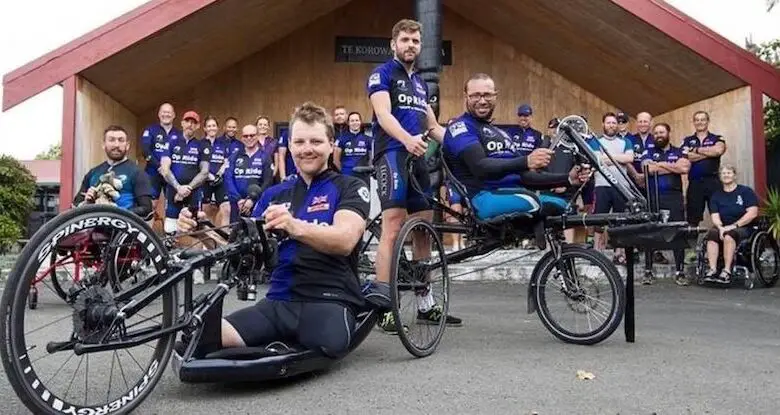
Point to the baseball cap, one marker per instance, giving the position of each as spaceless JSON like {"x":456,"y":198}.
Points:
{"x":191,"y":114}
{"x":524,"y":109}
{"x":622,"y":117}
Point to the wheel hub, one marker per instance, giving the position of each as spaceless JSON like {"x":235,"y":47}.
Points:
{"x":93,"y":312}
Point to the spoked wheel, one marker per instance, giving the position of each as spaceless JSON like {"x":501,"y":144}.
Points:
{"x":419,"y":287}
{"x":765,"y":259}
{"x":581,"y":297}
{"x":39,"y":349}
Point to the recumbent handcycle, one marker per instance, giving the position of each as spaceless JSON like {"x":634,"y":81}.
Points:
{"x":564,"y":270}
{"x":127,"y":332}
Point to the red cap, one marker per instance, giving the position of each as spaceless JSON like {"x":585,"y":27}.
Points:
{"x":191,"y":114}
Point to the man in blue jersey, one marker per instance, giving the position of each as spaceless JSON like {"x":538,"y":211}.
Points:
{"x":704,"y":150}
{"x":314,"y":291}
{"x":250,"y":166}
{"x":399,"y":99}
{"x":231,"y":129}
{"x":670,"y":163}
{"x":185,"y":168}
{"x":525,"y":138}
{"x":155,"y":141}
{"x":134,"y":191}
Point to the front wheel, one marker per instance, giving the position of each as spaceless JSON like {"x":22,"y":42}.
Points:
{"x":581,"y":297}
{"x":38,"y":349}
{"x":419,"y":288}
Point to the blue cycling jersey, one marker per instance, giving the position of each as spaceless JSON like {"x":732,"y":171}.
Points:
{"x":155,"y":144}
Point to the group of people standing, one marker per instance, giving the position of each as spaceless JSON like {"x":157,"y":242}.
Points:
{"x":225,"y":174}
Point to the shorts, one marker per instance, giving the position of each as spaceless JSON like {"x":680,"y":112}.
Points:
{"x":739,"y":235}
{"x":157,"y":184}
{"x":323,"y":326}
{"x":587,"y":193}
{"x":394,"y":183}
{"x":172,"y":208}
{"x":215,"y":195}
{"x":608,"y":199}
{"x":491,"y":204}
{"x":699,"y":195}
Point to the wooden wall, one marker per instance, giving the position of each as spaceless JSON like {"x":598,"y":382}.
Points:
{"x":301,"y":67}
{"x":730,"y":116}
{"x":94,"y":112}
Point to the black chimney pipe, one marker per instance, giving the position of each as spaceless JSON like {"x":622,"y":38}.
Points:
{"x":428,"y":13}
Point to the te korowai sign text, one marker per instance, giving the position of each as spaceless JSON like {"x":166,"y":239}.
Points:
{"x":376,"y":50}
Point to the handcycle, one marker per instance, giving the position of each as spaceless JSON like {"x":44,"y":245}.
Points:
{"x":101,"y":328}
{"x":598,"y":310}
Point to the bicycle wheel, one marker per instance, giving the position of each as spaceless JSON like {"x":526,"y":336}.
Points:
{"x":596,"y":308}
{"x":419,"y":284}
{"x":765,"y":259}
{"x":41,"y":365}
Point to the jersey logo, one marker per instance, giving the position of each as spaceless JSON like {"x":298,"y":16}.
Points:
{"x":739,"y":200}
{"x":146,"y":133}
{"x":363,"y":192}
{"x":318,"y":203}
{"x":239,"y":161}
{"x":177,"y":148}
{"x":374,"y":79}
{"x":488,"y":132}
{"x":401,"y":84}
{"x":206,"y":151}
{"x":458,"y":128}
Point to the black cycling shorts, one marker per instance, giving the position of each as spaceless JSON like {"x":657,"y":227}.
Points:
{"x":394,"y":183}
{"x":608,"y":198}
{"x":700,"y":193}
{"x":739,"y":235}
{"x":157,"y":184}
{"x":214,"y":195}
{"x":324,"y":326}
{"x":671,"y":201}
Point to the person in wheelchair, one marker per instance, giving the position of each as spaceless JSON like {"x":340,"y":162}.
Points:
{"x":133,"y":192}
{"x":314,"y":290}
{"x":495,"y":177}
{"x":732,"y":208}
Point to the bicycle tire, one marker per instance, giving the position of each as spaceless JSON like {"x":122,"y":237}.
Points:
{"x":568,"y":253}
{"x":13,"y":351}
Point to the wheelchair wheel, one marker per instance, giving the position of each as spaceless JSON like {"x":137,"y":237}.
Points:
{"x":422,"y":283}
{"x":765,"y":259}
{"x":596,"y":307}
{"x":38,"y":352}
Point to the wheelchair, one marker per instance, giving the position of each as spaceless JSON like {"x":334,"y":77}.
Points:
{"x":756,"y":260}
{"x":126,"y":332}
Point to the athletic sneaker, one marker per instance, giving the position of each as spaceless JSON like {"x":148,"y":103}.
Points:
{"x":680,"y":278}
{"x":710,"y":275}
{"x":723,"y":278}
{"x":648,"y":278}
{"x":386,"y":323}
{"x":433,"y":316}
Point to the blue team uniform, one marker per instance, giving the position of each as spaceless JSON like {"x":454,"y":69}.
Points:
{"x":244,"y":171}
{"x":186,"y":157}
{"x":355,"y":151}
{"x":155,"y":144}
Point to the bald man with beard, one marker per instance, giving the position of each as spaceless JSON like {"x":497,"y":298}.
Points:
{"x":642,"y":141}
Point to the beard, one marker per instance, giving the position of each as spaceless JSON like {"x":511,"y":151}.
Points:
{"x":473,"y":111}
{"x":401,"y":57}
{"x":661,"y":142}
{"x":116,"y":155}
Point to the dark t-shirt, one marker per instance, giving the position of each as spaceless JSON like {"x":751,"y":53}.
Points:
{"x":733,"y":205}
{"x":134,"y":183}
{"x":304,"y":274}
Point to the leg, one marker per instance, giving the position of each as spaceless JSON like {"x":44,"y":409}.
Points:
{"x":224,"y":214}
{"x":256,"y":325}
{"x":392,"y":220}
{"x":326,"y":327}
{"x":729,"y":248}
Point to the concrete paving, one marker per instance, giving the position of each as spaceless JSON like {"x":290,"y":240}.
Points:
{"x":698,"y":351}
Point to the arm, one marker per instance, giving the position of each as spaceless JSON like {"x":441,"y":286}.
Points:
{"x":436,"y":130}
{"x":82,"y":190}
{"x":624,"y":158}
{"x":716,"y":220}
{"x":337,"y":157}
{"x":485,"y":168}
{"x":681,"y":166}
{"x":230,"y":182}
{"x":380,"y":102}
{"x":337,"y":239}
{"x":202,"y":175}
{"x":147,"y":150}
{"x":143,"y":206}
{"x":713,"y":151}
{"x":747,"y":218}
{"x":167,"y":174}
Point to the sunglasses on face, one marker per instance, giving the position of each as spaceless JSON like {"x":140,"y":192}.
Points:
{"x":248,"y":135}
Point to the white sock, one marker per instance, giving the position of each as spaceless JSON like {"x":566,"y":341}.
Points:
{"x":425,"y":302}
{"x":169,"y":225}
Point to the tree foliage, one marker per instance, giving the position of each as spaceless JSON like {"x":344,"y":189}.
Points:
{"x":17,"y":188}
{"x":53,"y":153}
{"x":770,"y":53}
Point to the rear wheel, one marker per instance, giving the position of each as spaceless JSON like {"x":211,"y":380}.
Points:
{"x":419,"y":284}
{"x":583,"y":286}
{"x":38,"y":351}
{"x":765,"y":259}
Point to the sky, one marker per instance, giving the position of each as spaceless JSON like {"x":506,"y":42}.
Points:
{"x":31,"y":28}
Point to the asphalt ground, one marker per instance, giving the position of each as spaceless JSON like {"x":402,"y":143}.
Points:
{"x":698,"y":351}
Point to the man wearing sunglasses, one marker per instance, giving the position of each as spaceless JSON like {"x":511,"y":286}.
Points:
{"x":249,"y":166}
